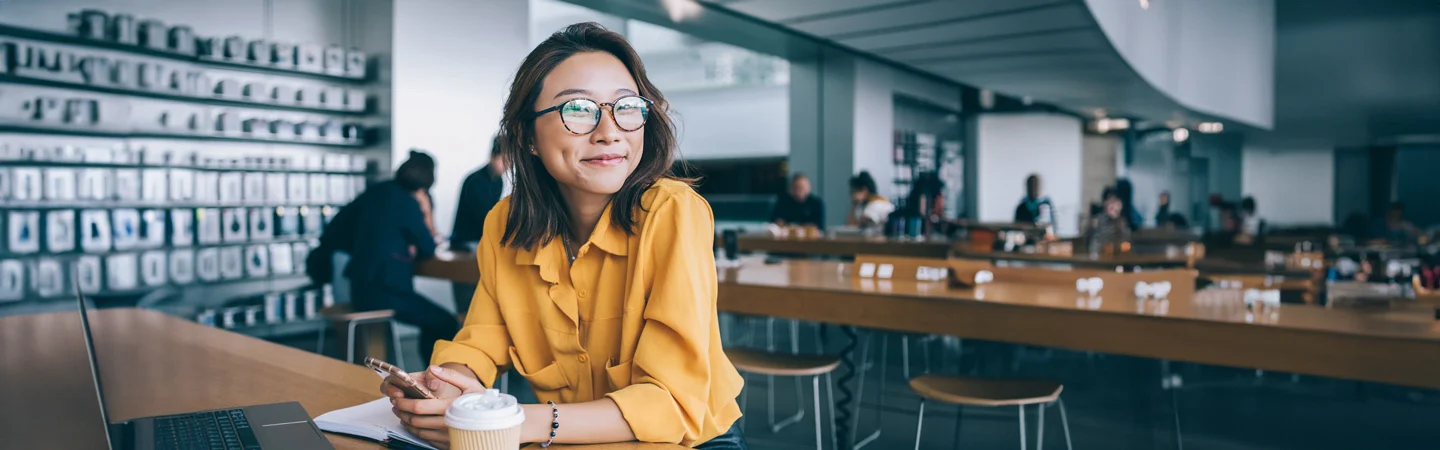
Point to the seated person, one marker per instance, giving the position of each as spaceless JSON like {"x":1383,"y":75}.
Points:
{"x":799,"y":207}
{"x":868,"y":209}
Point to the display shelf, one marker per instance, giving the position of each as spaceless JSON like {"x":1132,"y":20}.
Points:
{"x":68,"y":39}
{"x":31,"y":81}
{"x":102,"y":165}
{"x":120,"y":134}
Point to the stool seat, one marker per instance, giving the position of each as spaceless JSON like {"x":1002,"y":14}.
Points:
{"x":344,"y":313}
{"x":781,"y":364}
{"x":985,"y":391}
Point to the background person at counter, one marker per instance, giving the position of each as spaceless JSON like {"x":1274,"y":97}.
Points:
{"x":799,"y":207}
{"x":384,"y":230}
{"x":867,"y":209}
{"x":478,"y":195}
{"x":608,"y":304}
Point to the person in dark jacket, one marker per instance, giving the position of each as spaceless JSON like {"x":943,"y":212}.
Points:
{"x":478,"y":195}
{"x":390,"y":234}
{"x":1034,"y":207}
{"x":799,"y":207}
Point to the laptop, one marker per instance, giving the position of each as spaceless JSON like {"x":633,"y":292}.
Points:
{"x":278,"y":426}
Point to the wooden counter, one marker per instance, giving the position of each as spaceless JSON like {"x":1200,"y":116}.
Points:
{"x":1078,"y":260}
{"x":153,"y":364}
{"x":1212,"y":327}
{"x":844,"y":246}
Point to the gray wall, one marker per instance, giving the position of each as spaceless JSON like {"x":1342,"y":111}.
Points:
{"x":1416,"y":183}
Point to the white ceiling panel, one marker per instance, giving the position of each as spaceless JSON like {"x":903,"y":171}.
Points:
{"x":907,"y":14}
{"x":1027,"y":42}
{"x":942,"y":31}
{"x":785,"y":10}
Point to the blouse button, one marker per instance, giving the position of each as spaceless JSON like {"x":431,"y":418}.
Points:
{"x":581,"y":293}
{"x":584,"y":358}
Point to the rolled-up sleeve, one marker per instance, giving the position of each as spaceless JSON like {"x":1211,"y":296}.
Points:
{"x":670,"y":398}
{"x":483,"y":343}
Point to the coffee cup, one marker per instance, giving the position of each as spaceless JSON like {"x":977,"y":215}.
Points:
{"x":485,"y":421}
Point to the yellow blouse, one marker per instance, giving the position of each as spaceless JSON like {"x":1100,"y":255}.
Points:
{"x":632,"y":319}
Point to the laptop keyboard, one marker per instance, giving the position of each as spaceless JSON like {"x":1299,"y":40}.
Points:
{"x":211,"y":430}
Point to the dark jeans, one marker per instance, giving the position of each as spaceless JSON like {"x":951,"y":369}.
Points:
{"x":410,"y":307}
{"x":731,"y":440}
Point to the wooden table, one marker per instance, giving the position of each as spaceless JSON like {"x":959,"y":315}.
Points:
{"x":1078,"y":260}
{"x":153,"y":364}
{"x":1397,"y":347}
{"x":845,"y":246}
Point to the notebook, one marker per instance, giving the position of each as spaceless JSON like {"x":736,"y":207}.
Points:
{"x":372,"y":421}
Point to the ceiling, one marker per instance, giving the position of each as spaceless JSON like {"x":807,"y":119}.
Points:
{"x":1347,"y":72}
{"x":1048,"y":50}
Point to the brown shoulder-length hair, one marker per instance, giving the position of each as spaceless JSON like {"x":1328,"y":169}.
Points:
{"x":537,"y":211}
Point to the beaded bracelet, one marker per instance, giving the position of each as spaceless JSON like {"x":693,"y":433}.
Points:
{"x":554,"y":424}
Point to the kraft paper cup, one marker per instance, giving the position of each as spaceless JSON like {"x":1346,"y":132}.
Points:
{"x":485,"y":421}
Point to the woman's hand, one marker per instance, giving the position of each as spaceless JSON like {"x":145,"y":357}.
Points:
{"x":425,"y":418}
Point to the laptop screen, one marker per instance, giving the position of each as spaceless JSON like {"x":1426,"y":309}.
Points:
{"x":94,"y":364}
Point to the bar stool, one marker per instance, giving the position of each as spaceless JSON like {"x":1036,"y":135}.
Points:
{"x":969,"y":391}
{"x":343,"y":314}
{"x":788,"y":365}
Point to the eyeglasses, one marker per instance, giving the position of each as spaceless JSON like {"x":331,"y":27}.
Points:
{"x":582,"y":115}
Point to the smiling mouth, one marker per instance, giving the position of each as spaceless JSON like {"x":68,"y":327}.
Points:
{"x":608,"y":159}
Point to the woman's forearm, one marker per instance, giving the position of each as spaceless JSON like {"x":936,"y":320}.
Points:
{"x":592,"y":422}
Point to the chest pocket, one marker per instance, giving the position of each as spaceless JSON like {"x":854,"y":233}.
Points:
{"x":548,"y":378}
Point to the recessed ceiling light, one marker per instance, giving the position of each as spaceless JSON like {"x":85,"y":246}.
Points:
{"x":1211,"y":127}
{"x":1144,"y":4}
{"x":1180,"y":135}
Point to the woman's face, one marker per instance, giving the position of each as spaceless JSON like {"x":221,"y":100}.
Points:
{"x":599,"y":162}
{"x":859,"y":195}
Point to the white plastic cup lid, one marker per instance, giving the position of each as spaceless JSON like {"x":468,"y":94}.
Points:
{"x":486,"y":411}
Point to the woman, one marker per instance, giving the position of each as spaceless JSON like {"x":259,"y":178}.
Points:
{"x":597,"y":278}
{"x":867,"y":209}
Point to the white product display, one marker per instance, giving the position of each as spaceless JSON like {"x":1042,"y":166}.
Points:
{"x":122,"y":272}
{"x":299,"y":251}
{"x":87,"y":274}
{"x":154,"y":185}
{"x":60,"y":230}
{"x":297,"y":189}
{"x":232,"y":263}
{"x":182,"y":185}
{"x":60,"y":184}
{"x":28,"y":184}
{"x":254,"y":192}
{"x":340,"y":189}
{"x":281,"y":259}
{"x":207,"y":187}
{"x":233,"y":224}
{"x":152,"y":268}
{"x":207,"y":264}
{"x":275,"y":188}
{"x":24,"y":232}
{"x":208,"y":225}
{"x":231,"y":188}
{"x":94,"y":185}
{"x":152,"y":228}
{"x":262,"y":226}
{"x":257,"y":261}
{"x":49,"y":278}
{"x":95,"y":230}
{"x":127,"y":185}
{"x":6,"y":183}
{"x":182,"y":267}
{"x":12,"y":280}
{"x":318,"y":188}
{"x":182,"y":227}
{"x":125,"y":227}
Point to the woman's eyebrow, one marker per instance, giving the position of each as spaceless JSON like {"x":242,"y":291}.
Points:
{"x":573,"y":91}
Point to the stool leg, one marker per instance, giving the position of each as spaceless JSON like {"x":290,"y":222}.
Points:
{"x":819,"y":341}
{"x":819,"y":432}
{"x":395,"y":342}
{"x":880,"y":395}
{"x":959,"y":421}
{"x":350,"y":342}
{"x":320,"y":344}
{"x":743,"y":391}
{"x":905,"y":356}
{"x":1040,"y":428}
{"x":1022,"y":427}
{"x":830,"y":394}
{"x":919,"y":422}
{"x":1064,"y":423}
